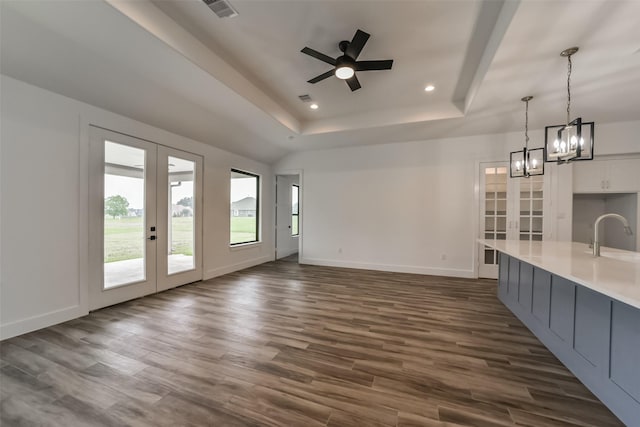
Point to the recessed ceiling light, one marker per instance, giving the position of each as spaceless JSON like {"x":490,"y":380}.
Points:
{"x":429,"y":88}
{"x":314,"y":106}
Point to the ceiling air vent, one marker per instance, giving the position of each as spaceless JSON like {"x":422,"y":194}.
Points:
{"x":222,"y":8}
{"x":305,"y":98}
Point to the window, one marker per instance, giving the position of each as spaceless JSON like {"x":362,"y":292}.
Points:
{"x":295,"y":218}
{"x":245,"y":207}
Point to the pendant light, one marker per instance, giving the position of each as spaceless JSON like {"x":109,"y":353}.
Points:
{"x":526,"y":163}
{"x":573,"y":140}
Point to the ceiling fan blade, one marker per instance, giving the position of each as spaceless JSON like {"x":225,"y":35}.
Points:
{"x":356,"y":45}
{"x":374,"y":65}
{"x":353,"y":83}
{"x":322,"y":77}
{"x":318,"y":55}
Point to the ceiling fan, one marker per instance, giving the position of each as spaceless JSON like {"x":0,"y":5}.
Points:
{"x":346,"y":65}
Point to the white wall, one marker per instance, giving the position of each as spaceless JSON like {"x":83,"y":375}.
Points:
{"x":43,"y":214}
{"x":586,"y":208}
{"x":286,"y":244}
{"x":412,"y":207}
{"x":614,"y":233}
{"x":397,"y":207}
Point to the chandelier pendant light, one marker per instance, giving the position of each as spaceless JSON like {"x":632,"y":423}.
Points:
{"x":573,"y":140}
{"x":526,"y":163}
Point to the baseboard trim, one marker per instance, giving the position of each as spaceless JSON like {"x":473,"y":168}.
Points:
{"x":40,"y":321}
{"x":394,"y":268}
{"x":210,"y":274}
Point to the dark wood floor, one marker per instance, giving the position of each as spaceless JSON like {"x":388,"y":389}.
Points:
{"x":289,"y":345}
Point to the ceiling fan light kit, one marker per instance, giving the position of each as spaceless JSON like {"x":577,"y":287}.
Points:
{"x":345,"y":66}
{"x":573,"y":140}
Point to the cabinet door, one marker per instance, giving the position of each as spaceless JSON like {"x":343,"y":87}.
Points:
{"x":589,"y":176}
{"x":602,"y":176}
{"x":623,"y":176}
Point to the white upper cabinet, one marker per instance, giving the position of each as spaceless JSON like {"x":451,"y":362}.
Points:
{"x":607,"y":176}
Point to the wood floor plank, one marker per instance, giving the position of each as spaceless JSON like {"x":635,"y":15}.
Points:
{"x":282,"y":344}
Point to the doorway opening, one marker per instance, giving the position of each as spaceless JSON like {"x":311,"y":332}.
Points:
{"x":288,"y":217}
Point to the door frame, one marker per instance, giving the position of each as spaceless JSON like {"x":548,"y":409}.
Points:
{"x":299,"y":173}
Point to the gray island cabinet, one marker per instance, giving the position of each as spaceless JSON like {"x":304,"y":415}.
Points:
{"x":592,"y":327}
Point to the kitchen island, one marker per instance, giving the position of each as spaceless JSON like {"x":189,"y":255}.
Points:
{"x":585,"y":309}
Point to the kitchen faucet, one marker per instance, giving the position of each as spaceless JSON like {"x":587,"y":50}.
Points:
{"x":596,"y":241}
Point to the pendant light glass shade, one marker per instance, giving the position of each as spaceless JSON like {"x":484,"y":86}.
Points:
{"x":573,"y":140}
{"x":526,"y":163}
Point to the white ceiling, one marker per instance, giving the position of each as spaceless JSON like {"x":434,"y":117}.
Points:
{"x":234,"y":83}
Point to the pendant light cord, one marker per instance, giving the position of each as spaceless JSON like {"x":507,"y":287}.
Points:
{"x":569,"y":90}
{"x":526,"y":126}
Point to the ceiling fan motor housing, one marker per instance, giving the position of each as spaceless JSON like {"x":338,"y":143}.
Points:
{"x":345,"y":61}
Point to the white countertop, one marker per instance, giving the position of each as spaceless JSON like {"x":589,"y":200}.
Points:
{"x":615,"y":273}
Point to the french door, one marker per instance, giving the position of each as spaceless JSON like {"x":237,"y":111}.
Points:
{"x":145,"y":218}
{"x":494,"y":207}
{"x":510,"y":209}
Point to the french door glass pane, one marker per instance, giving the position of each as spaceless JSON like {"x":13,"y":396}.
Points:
{"x":295,"y":206}
{"x":531,"y":208}
{"x":495,"y":209}
{"x":181,"y":219}
{"x":124,"y":225}
{"x":489,"y":255}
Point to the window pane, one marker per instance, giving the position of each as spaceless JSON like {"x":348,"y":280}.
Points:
{"x":294,"y":199}
{"x":181,"y":220}
{"x":489,"y":256}
{"x":490,"y":207}
{"x":124,"y":237}
{"x":537,"y":207}
{"x":536,"y":225}
{"x":244,"y":207}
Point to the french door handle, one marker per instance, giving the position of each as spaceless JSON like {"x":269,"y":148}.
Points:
{"x":152,"y":238}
